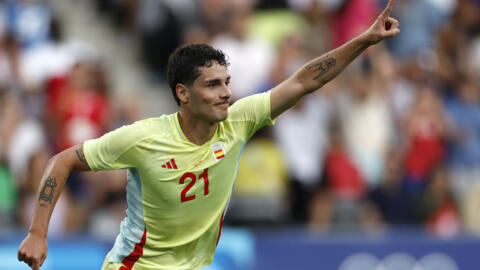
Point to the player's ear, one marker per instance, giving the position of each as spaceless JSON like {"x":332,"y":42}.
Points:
{"x":182,"y":93}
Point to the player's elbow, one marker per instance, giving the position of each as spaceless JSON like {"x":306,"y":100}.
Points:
{"x":69,"y":160}
{"x":304,"y":86}
{"x":61,"y":160}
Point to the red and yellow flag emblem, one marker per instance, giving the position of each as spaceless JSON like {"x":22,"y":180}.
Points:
{"x":219,"y":154}
{"x":218,"y":151}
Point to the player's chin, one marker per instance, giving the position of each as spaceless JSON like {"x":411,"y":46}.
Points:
{"x":223,"y":116}
{"x":221,"y":113}
{"x":220,"y":116}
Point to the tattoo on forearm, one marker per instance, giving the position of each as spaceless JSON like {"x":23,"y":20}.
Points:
{"x":48,"y":190}
{"x":81,"y":155}
{"x":322,"y":66}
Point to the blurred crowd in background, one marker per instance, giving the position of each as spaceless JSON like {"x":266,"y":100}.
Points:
{"x":394,"y":141}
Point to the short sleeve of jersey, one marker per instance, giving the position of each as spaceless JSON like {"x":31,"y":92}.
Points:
{"x":251,"y":113}
{"x":115,"y":149}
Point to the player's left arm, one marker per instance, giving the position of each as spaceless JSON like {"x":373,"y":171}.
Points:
{"x":319,"y":71}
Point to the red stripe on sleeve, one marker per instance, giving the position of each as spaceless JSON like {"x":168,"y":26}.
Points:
{"x":169,"y":165}
{"x":137,"y":252}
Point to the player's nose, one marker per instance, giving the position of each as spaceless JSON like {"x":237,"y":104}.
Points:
{"x":226,"y":93}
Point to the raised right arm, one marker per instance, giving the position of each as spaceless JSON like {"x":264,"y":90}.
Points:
{"x":33,"y":249}
{"x":319,"y":71}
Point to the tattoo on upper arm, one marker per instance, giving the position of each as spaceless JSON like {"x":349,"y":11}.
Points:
{"x":322,"y":66}
{"x":81,"y":155}
{"x":47,"y":192}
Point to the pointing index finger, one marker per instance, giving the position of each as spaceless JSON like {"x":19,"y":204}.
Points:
{"x":388,"y":9}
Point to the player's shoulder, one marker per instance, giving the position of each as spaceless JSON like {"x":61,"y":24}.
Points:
{"x":160,"y":122}
{"x":148,"y":127}
{"x":249,"y":103}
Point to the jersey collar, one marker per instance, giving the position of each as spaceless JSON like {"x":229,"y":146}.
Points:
{"x":183,"y":138}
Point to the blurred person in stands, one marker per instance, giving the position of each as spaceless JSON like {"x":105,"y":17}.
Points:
{"x":29,"y":23}
{"x":398,"y":89}
{"x":425,"y":128}
{"x":350,"y":18}
{"x":44,"y":64}
{"x":366,"y":121}
{"x":394,"y":203}
{"x":8,"y":185}
{"x":464,"y":108}
{"x":318,"y":36}
{"x":235,"y":41}
{"x":79,"y":109}
{"x":422,"y":19}
{"x":10,"y":61}
{"x":78,"y":103}
{"x":182,"y":167}
{"x":321,"y":211}
{"x":343,"y":179}
{"x":213,"y":15}
{"x":261,"y":189}
{"x":464,"y":146}
{"x":24,"y":147}
{"x":437,"y":207}
{"x":160,"y":26}
{"x":306,"y":122}
{"x":370,"y":218}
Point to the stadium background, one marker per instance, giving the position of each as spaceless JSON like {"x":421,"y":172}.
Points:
{"x":381,"y":170}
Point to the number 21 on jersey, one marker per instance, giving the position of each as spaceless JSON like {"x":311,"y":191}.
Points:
{"x":193,"y":178}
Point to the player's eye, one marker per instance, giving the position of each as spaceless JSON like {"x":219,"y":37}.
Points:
{"x":211,"y":85}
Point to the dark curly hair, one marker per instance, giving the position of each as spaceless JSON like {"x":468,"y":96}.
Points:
{"x":184,"y":64}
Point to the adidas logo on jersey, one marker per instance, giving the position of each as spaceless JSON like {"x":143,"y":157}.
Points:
{"x":170,"y":164}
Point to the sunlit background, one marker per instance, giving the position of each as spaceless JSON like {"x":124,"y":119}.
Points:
{"x":378,"y":170}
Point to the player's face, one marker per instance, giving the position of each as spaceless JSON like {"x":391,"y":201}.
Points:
{"x":210,"y":94}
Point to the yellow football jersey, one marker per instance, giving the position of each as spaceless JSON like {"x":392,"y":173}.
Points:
{"x":177,"y":191}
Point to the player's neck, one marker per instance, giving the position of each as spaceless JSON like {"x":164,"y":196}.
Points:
{"x":196,"y":130}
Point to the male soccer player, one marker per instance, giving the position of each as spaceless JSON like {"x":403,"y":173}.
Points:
{"x":181,"y":167}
